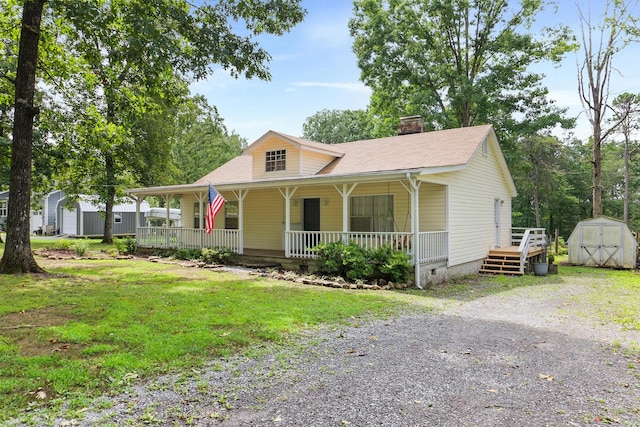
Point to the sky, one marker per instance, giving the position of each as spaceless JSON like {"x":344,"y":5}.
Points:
{"x":313,"y":68}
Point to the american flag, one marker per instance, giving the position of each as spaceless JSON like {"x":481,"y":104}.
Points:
{"x":215,"y":204}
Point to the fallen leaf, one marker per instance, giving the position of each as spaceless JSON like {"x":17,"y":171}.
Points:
{"x":545,"y":377}
{"x":373,"y":337}
{"x":53,"y":340}
{"x":492,"y":390}
{"x":41,"y":395}
{"x":225,"y":334}
{"x":64,"y":346}
{"x":277,"y":419}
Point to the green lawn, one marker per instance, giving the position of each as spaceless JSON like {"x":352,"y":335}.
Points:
{"x":94,"y":325}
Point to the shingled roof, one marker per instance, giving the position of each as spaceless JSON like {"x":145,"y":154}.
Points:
{"x":438,"y":149}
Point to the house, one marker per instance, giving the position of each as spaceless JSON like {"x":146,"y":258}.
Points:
{"x":36,"y":217}
{"x":85,"y":217}
{"x":443,"y":197}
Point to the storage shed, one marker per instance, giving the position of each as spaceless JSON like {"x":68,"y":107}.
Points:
{"x":602,"y":242}
{"x":86,"y":217}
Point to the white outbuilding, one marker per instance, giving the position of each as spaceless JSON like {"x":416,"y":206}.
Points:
{"x":603,"y":242}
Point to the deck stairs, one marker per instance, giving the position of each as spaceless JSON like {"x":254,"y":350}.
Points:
{"x":528,"y":244}
{"x":502,"y":261}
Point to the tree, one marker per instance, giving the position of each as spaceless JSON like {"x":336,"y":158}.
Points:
{"x":541,"y":154}
{"x":201,"y":142}
{"x":336,"y":126}
{"x":17,"y":257}
{"x":136,"y":53}
{"x":626,"y":112}
{"x":599,"y":45}
{"x":127,"y":46}
{"x":456,"y":63}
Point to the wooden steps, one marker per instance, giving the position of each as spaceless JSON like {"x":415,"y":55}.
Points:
{"x":502,"y":261}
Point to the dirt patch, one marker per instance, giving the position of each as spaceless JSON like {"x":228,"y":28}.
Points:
{"x":23,"y":330}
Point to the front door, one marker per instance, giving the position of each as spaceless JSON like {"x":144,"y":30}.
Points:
{"x":311,"y":221}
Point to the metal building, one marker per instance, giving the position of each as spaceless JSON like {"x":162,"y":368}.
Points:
{"x":85,"y":217}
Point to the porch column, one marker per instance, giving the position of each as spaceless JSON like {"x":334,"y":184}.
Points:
{"x":240,"y":195}
{"x":414,"y":187}
{"x":138,"y":200}
{"x":287,"y":194}
{"x":345,"y":193}
{"x":167,"y":202}
{"x":200,"y":198}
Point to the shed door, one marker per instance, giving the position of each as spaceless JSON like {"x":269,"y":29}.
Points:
{"x":70,"y":222}
{"x":600,"y":245}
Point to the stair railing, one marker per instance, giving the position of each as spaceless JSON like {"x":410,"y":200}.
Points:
{"x":532,"y":237}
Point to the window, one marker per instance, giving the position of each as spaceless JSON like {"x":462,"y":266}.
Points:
{"x":372,"y":213}
{"x":485,"y":147}
{"x":196,"y":214}
{"x":117,"y":218}
{"x":276,"y":160}
{"x":231,"y":215}
{"x":3,"y":208}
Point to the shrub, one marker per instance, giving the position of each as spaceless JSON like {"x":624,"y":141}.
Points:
{"x":217,"y":256}
{"x":63,"y":244}
{"x":126,"y":246}
{"x":188,"y":254}
{"x":356,"y":263}
{"x":80,"y":247}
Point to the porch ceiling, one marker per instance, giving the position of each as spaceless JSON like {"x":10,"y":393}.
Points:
{"x":178,"y":190}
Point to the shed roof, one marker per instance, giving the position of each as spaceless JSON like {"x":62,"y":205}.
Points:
{"x":88,"y":203}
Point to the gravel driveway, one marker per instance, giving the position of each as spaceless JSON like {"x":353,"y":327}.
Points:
{"x":518,"y":358}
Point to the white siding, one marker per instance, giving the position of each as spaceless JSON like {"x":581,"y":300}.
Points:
{"x":472,"y":193}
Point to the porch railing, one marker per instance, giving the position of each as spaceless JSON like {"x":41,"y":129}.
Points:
{"x":187,"y":238}
{"x":433,"y":245}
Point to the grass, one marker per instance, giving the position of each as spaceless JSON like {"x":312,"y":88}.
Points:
{"x":96,"y":325}
{"x":90,"y":326}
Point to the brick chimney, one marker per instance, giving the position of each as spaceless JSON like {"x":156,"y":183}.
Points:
{"x":411,"y":124}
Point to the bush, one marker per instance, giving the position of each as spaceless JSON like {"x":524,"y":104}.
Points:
{"x":80,"y":247}
{"x":217,"y":256}
{"x":126,"y":246}
{"x":188,"y":254}
{"x":63,"y":244}
{"x":356,"y":263}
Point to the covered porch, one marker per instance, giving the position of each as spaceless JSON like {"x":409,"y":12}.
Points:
{"x":402,"y":211}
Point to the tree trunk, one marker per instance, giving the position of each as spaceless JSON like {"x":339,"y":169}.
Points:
{"x":597,"y":171}
{"x":626,"y":178}
{"x":17,"y":256}
{"x":111,"y":196}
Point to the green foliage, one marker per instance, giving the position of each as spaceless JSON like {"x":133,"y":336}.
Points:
{"x":353,"y":262}
{"x":188,"y":254}
{"x":63,"y":244}
{"x":218,"y":256}
{"x":80,"y":247}
{"x":336,"y":126}
{"x":126,"y":245}
{"x":136,"y":319}
{"x":394,"y":265}
{"x":456,"y":63}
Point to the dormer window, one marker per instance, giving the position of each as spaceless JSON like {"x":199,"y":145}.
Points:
{"x":275,"y":160}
